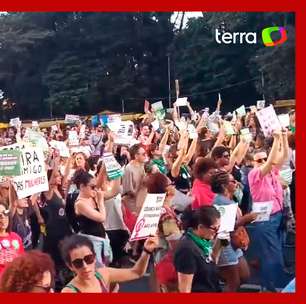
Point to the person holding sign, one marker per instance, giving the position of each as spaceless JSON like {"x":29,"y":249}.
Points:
{"x":232,"y":264}
{"x":80,"y":256}
{"x":265,"y":186}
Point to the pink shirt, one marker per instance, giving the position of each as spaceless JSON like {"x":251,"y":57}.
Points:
{"x":202,"y":194}
{"x":266,"y":188}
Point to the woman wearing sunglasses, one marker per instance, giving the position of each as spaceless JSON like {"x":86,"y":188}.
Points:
{"x":194,"y":256}
{"x":265,"y":186}
{"x":10,"y":243}
{"x":32,"y":271}
{"x":79,"y":254}
{"x":233,"y":266}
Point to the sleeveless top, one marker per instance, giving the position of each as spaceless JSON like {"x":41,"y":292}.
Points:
{"x":104,"y":289}
{"x":91,"y":227}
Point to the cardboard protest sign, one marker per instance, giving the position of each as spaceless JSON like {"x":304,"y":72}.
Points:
{"x":155,"y":125}
{"x":82,"y":132}
{"x":263,"y":209}
{"x":284,"y":120}
{"x":245,"y":133}
{"x":229,"y":129}
{"x":228,"y":217}
{"x":260,"y":104}
{"x":241,"y":111}
{"x":124,"y":132}
{"x":15,"y":122}
{"x":33,"y":178}
{"x":71,"y":119}
{"x":36,"y":139}
{"x":54,"y":128}
{"x":181,"y":102}
{"x":73,"y":138}
{"x":157,"y":106}
{"x":34,"y":124}
{"x":10,"y":163}
{"x":268,"y":120}
{"x":147,"y":221}
{"x":113,"y":168}
{"x":193,"y":134}
{"x":115,"y":118}
{"x":213,"y":127}
{"x":61,"y":146}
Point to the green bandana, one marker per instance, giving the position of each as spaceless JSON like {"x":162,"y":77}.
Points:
{"x":204,"y":245}
{"x":161,"y":165}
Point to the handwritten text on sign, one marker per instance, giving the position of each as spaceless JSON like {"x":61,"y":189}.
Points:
{"x":33,"y":178}
{"x":147,"y":221}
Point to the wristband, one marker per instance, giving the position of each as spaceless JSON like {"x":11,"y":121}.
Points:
{"x":147,"y":251}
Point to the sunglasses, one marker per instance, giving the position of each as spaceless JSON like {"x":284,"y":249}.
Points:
{"x":44,"y":289}
{"x":5,"y":212}
{"x":214,"y":229}
{"x":79,"y":263}
{"x":261,"y":160}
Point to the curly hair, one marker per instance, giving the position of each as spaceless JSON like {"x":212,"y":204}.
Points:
{"x":25,"y":271}
{"x":219,"y":181}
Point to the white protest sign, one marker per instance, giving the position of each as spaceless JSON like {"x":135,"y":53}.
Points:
{"x":82,"y":132}
{"x":241,"y":111}
{"x":147,"y":221}
{"x":54,"y":128}
{"x":73,"y":138}
{"x":193,"y":134}
{"x":61,"y":146}
{"x":113,"y":168}
{"x":229,"y":129}
{"x":263,"y":209}
{"x":15,"y":122}
{"x":181,"y":102}
{"x":115,"y":118}
{"x":36,"y":139}
{"x":260,"y":104}
{"x":245,"y":133}
{"x":124,"y":132}
{"x":34,"y":176}
{"x":157,"y":106}
{"x":284,"y":120}
{"x":213,"y":127}
{"x":69,"y":118}
{"x":181,"y":124}
{"x":155,"y":125}
{"x":253,"y":109}
{"x":35,"y":124}
{"x":268,"y":120}
{"x":228,"y":217}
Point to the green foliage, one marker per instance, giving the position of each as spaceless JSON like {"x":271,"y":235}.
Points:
{"x":55,"y":63}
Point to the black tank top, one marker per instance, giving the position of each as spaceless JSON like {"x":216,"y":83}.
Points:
{"x":91,"y":227}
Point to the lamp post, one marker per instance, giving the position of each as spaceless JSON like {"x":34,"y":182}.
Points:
{"x":169,"y":81}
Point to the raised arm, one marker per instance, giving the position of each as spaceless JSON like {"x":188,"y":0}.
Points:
{"x":284,"y":151}
{"x":191,"y":151}
{"x":118,"y":275}
{"x":268,"y":165}
{"x":164,"y":139}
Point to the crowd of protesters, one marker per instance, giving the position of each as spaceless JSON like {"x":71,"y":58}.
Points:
{"x":75,"y":237}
